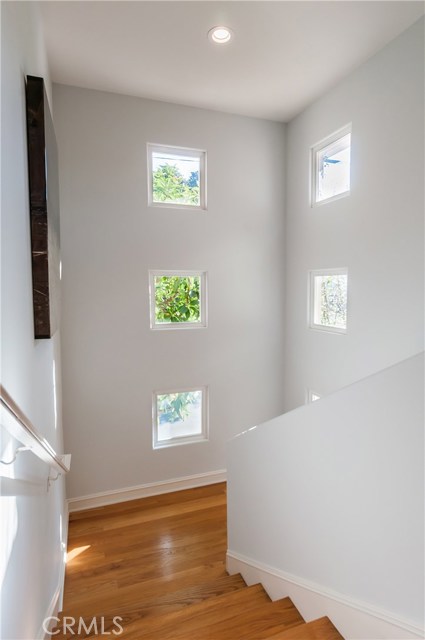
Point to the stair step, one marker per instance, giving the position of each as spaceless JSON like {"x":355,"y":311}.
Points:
{"x":112,"y":596}
{"x":257,"y":623}
{"x":157,"y":567}
{"x":320,"y":629}
{"x":196,"y":619}
{"x":160,"y":604}
{"x":230,"y":617}
{"x":180,"y":600}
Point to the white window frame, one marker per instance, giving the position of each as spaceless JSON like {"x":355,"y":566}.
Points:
{"x":203,"y":291}
{"x":315,"y":149}
{"x":309,"y":396}
{"x":180,"y":440}
{"x":311,"y":299}
{"x":184,"y":152}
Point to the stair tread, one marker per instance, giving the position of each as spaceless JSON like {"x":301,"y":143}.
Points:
{"x":161,"y":604}
{"x":138,"y":613}
{"x":86,"y":602}
{"x":249,"y":618}
{"x":203,"y":614}
{"x":320,"y":629}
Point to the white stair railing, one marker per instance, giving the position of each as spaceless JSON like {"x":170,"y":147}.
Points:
{"x":22,"y":429}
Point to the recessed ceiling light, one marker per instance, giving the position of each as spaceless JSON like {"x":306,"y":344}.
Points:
{"x":220,"y":35}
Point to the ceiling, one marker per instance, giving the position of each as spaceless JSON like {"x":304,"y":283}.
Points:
{"x":284,"y":53}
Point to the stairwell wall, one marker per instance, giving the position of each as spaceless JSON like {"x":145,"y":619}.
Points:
{"x":33,"y":519}
{"x":326,"y":505}
{"x":111,"y":238}
{"x":377,"y":232}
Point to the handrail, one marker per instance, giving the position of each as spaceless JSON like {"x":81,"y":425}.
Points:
{"x":23,"y":430}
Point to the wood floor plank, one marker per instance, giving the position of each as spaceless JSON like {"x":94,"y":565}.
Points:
{"x":166,"y":526}
{"x":144,"y":561}
{"x":153,"y":513}
{"x":123,"y":572}
{"x":141,"y":503}
{"x":110,"y":596}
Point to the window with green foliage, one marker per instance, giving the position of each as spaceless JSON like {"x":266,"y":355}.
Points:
{"x":328,"y":300}
{"x":176,"y":177}
{"x":179,"y":417}
{"x":177,"y":299}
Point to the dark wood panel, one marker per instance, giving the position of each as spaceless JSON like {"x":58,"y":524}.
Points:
{"x":44,"y":209}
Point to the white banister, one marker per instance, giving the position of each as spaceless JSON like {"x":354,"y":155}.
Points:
{"x":22,"y":429}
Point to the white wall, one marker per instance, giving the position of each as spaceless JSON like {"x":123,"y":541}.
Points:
{"x":110,"y":239}
{"x":376,"y":232}
{"x":30,"y":516}
{"x":330,"y":497}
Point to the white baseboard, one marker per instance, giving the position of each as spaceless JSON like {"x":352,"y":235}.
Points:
{"x":51,"y":612}
{"x":145,"y":490}
{"x":56,"y":602}
{"x":354,"y":620}
{"x":64,"y":542}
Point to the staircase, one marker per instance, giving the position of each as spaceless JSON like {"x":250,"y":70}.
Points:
{"x":158,"y":565}
{"x":222,"y":609}
{"x":234,"y":612}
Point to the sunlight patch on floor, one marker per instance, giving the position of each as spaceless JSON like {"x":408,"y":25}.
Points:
{"x":71,"y":555}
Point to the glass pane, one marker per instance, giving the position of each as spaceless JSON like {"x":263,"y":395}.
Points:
{"x":333,"y":168}
{"x":330,"y":300}
{"x":177,"y":299}
{"x":179,"y":415}
{"x":175,"y":178}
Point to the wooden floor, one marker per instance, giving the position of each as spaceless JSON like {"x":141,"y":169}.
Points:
{"x":157,"y":565}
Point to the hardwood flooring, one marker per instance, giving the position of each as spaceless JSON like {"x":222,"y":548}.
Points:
{"x":155,"y":567}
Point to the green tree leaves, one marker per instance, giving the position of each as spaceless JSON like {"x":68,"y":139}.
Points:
{"x":174,"y":407}
{"x":169,"y":186}
{"x":177,"y":299}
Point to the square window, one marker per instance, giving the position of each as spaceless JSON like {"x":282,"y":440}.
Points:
{"x":328,"y":300}
{"x":312,"y":396}
{"x":331,"y":167}
{"x":180,"y":417}
{"x":176,"y":177}
{"x":178,"y":299}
